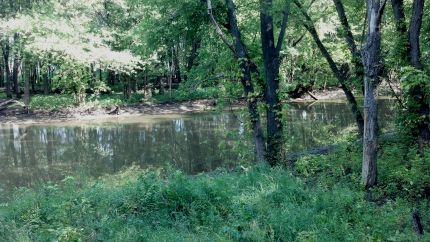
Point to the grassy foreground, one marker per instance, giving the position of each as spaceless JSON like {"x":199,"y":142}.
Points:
{"x":260,"y":204}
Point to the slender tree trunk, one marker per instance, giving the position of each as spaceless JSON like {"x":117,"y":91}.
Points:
{"x":16,"y":68}
{"x":371,"y":61}
{"x":46,"y":85}
{"x":27,"y":86}
{"x":340,"y":74}
{"x":177,"y":68}
{"x":350,"y":41}
{"x":6,"y":53}
{"x":246,"y":67}
{"x":1,"y":76}
{"x":418,"y":92}
{"x":412,"y":54}
{"x":194,"y":53}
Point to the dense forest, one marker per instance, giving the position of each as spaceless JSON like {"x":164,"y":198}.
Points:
{"x":369,"y":181}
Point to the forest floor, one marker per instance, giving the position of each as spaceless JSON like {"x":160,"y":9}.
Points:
{"x":107,"y":110}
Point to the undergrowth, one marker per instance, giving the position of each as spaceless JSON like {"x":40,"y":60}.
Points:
{"x":259,"y":204}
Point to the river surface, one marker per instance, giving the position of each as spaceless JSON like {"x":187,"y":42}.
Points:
{"x":30,"y":154}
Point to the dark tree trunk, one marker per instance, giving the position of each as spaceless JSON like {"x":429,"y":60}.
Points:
{"x":16,"y":68}
{"x":349,"y":38}
{"x":33,"y":79}
{"x":399,"y":15}
{"x":177,"y":68}
{"x":418,"y":92}
{"x":194,"y":53}
{"x":1,"y":76}
{"x":412,"y":54}
{"x":27,"y":86}
{"x":246,"y":67}
{"x":371,"y":61}
{"x":340,"y":74}
{"x":271,"y":70}
{"x":414,"y":33}
{"x":15,"y":75}
{"x":6,"y":53}
{"x":46,"y":85}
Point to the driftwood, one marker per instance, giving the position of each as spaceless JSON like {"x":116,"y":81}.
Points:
{"x":5,"y":104}
{"x":312,"y":95}
{"x":114,"y":111}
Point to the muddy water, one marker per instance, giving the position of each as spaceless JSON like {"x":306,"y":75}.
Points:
{"x":195,"y":143}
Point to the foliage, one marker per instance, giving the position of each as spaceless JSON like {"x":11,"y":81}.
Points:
{"x":411,"y":79}
{"x":187,"y":95}
{"x":259,"y":204}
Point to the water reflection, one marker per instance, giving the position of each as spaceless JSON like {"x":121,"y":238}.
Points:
{"x":193,"y":143}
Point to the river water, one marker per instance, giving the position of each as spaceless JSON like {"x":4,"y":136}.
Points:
{"x":30,"y":154}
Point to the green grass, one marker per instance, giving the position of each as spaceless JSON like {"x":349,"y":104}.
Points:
{"x":187,"y":95}
{"x":261,"y":204}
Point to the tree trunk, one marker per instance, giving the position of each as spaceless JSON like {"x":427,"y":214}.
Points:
{"x":194,"y":53}
{"x":177,"y":68}
{"x":350,"y":41}
{"x":340,"y":74}
{"x":399,"y":15}
{"x":246,"y":67}
{"x":6,"y":53}
{"x":371,"y":61}
{"x":27,"y":87}
{"x":271,"y":71}
{"x":1,"y":76}
{"x":16,"y":68}
{"x":46,"y":82}
{"x":418,"y":92}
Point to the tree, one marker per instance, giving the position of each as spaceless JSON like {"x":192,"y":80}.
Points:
{"x":271,"y":62}
{"x":372,"y":69}
{"x":341,"y":73}
{"x":417,"y":105}
{"x":247,"y":67}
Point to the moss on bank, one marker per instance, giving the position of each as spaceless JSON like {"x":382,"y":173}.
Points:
{"x":260,"y":204}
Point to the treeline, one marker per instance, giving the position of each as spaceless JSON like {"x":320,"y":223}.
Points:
{"x":262,"y":50}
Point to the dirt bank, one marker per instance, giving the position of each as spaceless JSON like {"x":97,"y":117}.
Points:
{"x":16,"y":114}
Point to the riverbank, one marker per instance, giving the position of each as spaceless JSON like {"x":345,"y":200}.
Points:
{"x":116,"y":108}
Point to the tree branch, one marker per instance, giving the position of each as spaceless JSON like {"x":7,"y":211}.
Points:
{"x":283,"y":28}
{"x":217,"y":28}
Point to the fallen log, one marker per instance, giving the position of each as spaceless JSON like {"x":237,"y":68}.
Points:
{"x":5,"y":104}
{"x":115,"y":111}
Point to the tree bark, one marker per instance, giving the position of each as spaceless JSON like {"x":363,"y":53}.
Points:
{"x":27,"y":87}
{"x":271,"y":72}
{"x":371,"y":61}
{"x":414,"y":33}
{"x":399,"y":15}
{"x":417,"y":92}
{"x":15,"y":68}
{"x":6,"y":53}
